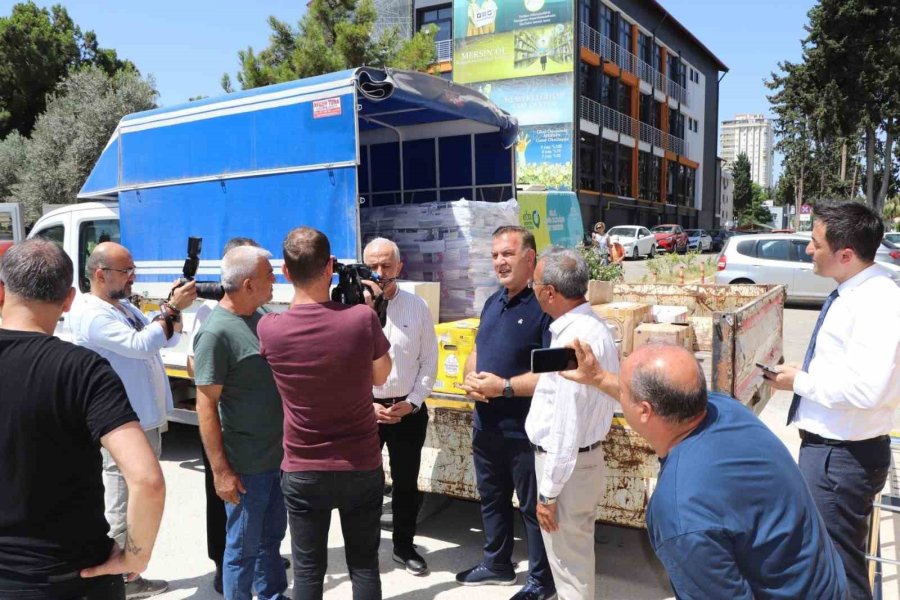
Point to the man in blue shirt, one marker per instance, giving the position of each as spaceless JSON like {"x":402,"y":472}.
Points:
{"x":731,"y":516}
{"x":499,"y":377}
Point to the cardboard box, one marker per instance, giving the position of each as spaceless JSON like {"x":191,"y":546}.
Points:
{"x":456,"y":341}
{"x":624,"y":317}
{"x":599,"y":292}
{"x":670,"y":314}
{"x":668,"y":333}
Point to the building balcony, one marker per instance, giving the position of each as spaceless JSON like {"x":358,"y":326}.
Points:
{"x":610,"y":51}
{"x":609,"y":118}
{"x":443,"y":51}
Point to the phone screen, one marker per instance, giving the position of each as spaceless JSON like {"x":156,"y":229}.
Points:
{"x":549,"y":360}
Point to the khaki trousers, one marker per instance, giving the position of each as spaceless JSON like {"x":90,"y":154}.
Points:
{"x":570,"y":549}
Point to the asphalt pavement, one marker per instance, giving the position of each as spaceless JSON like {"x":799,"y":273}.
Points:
{"x":450,"y":539}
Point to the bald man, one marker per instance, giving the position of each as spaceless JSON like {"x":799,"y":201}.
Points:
{"x":731,"y":516}
{"x":399,"y":403}
{"x":107,"y":323}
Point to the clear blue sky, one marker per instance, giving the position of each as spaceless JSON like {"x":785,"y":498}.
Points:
{"x":187,"y":45}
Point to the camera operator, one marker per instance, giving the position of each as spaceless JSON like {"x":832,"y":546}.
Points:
{"x":106,"y":322}
{"x":400,"y":403}
{"x":326,"y":357}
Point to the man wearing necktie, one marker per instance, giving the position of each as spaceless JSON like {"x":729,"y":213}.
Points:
{"x":847,"y":390}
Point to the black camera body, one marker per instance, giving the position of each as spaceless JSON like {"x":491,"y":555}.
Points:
{"x":350,"y":288}
{"x":208,"y":290}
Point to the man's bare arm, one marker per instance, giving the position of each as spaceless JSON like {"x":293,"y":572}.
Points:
{"x":130,"y":449}
{"x":381,"y":368}
{"x":228,"y":484}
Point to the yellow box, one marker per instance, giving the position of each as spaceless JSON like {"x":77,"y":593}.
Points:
{"x":456,"y":341}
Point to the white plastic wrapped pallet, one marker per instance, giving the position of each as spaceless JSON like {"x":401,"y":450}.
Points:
{"x":447,"y":242}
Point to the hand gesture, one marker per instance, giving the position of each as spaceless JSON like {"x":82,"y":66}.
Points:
{"x":184,"y":295}
{"x":383,"y":414}
{"x":229,"y":486}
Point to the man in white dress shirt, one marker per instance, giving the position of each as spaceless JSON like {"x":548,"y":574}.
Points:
{"x":106,"y":322}
{"x":566,"y":425}
{"x":399,"y":403}
{"x":848,"y":387}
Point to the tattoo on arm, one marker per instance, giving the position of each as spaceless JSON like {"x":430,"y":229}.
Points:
{"x":130,"y":546}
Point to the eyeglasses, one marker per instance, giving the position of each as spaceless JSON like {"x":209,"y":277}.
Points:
{"x":129,"y":271}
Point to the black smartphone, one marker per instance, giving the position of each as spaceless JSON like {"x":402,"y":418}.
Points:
{"x":767,"y":368}
{"x":549,"y":360}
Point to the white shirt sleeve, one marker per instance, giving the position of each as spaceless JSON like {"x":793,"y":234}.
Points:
{"x":428,"y":357}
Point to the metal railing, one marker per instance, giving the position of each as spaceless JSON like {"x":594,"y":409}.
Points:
{"x":607,"y":117}
{"x":607,"y":49}
{"x":443,"y":50}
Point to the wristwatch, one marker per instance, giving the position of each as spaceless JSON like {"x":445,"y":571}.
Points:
{"x":545,"y":500}
{"x":415,"y":408}
{"x":507,"y":388}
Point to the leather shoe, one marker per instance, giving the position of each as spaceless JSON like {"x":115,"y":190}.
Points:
{"x":217,"y":578}
{"x":412,"y":560}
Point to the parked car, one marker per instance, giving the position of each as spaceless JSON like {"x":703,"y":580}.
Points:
{"x":888,"y":252}
{"x":637,"y":241}
{"x":699,"y":240}
{"x":670,"y":238}
{"x":893,"y":237}
{"x":779,"y":258}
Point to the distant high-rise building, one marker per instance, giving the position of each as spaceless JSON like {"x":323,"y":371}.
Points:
{"x":754,"y":136}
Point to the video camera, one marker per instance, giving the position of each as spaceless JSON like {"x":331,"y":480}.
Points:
{"x":350,"y":288}
{"x":208,"y":290}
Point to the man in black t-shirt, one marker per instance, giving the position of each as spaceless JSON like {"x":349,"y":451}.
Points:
{"x":58,"y":404}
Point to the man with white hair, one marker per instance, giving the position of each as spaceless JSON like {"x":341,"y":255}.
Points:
{"x":241,"y":421}
{"x":399,"y":403}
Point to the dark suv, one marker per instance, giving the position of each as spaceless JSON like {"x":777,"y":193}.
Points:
{"x":719,"y":237}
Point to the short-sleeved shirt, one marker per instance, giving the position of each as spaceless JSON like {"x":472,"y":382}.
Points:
{"x":227,"y":354}
{"x":56,"y":401}
{"x":510,"y":329}
{"x":732,"y":517}
{"x":321,"y":355}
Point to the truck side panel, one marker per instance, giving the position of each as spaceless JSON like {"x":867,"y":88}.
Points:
{"x":156,"y":222}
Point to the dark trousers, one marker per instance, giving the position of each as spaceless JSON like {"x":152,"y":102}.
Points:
{"x":404,"y":441}
{"x":215,"y":515}
{"x":310,"y":497}
{"x":107,"y":587}
{"x":504,"y":464}
{"x":844,"y":481}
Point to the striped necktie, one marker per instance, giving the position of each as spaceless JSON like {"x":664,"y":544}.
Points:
{"x":810,"y":350}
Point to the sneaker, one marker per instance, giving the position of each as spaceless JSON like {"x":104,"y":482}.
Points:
{"x":533,"y":591}
{"x":144,"y":588}
{"x":412,"y":560}
{"x":481,"y":575}
{"x":287,"y":563}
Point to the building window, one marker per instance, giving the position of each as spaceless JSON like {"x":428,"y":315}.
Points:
{"x":657,"y":57}
{"x":655,"y":174}
{"x":587,"y":164}
{"x":607,"y":18}
{"x":649,"y":110}
{"x":608,"y":91}
{"x":645,"y":47}
{"x":624,"y":174}
{"x":645,"y":165}
{"x":624,"y":34}
{"x":690,"y":180}
{"x":624,"y":98}
{"x":587,"y":12}
{"x":441,"y":16}
{"x":589,"y":85}
{"x":671,"y":181}
{"x":608,"y":166}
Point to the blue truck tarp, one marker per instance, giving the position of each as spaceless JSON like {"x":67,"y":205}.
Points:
{"x":259,"y":162}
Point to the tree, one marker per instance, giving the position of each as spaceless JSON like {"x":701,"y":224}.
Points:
{"x":70,"y":135}
{"x":332,"y":36}
{"x":743,"y":185}
{"x":12,"y":159}
{"x":38,"y":47}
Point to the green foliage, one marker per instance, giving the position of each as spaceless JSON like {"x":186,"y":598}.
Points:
{"x":743,"y":184}
{"x":755,"y":214}
{"x":667,"y":267}
{"x":70,"y":135}
{"x":38,"y":48}
{"x":332,"y":36}
{"x":611,"y":272}
{"x":12,"y":159}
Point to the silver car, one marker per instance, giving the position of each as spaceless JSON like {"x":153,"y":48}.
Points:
{"x":778,"y":258}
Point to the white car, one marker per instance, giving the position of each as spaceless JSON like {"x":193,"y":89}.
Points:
{"x":699,"y":240}
{"x":637,"y":241}
{"x":893,"y":237}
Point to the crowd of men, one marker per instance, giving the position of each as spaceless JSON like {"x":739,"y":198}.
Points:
{"x":296,"y":407}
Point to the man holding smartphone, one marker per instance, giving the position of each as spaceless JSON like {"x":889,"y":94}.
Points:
{"x":566,"y":425}
{"x":499,"y":377}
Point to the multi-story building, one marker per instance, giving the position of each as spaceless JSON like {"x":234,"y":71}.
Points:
{"x":616,"y":101}
{"x":753,"y":135}
{"x":725,"y":203}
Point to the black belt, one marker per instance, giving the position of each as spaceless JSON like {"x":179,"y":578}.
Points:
{"x":593,"y":446}
{"x":389,"y":401}
{"x":812,"y":438}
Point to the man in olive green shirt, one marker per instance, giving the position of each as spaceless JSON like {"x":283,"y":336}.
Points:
{"x":241,"y":421}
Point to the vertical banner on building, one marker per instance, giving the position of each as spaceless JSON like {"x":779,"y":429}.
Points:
{"x":520,"y":54}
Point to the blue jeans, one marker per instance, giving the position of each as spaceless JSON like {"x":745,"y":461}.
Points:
{"x":253,"y":533}
{"x":310,"y":497}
